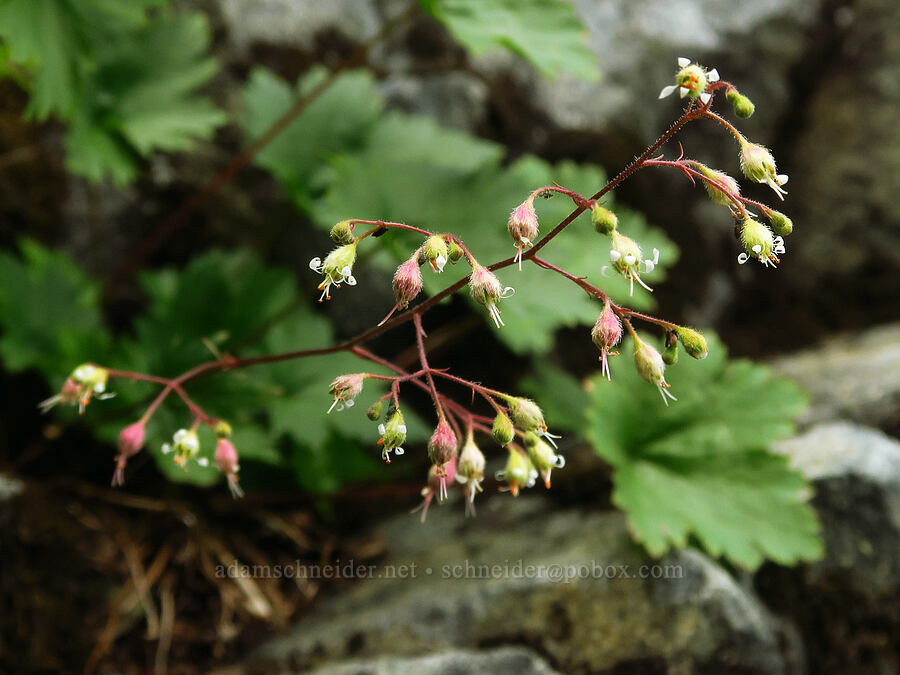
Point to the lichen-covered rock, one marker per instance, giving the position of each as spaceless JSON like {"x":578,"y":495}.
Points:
{"x":567,"y":584}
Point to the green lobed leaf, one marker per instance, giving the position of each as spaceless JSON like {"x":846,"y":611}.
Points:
{"x":547,"y":33}
{"x":700,"y":467}
{"x":337,"y":121}
{"x":49,"y":313}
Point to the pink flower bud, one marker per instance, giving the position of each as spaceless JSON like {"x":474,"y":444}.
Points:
{"x":606,"y":334}
{"x":407,"y":282}
{"x":131,"y":440}
{"x":442,"y":446}
{"x":523,"y":227}
{"x":227,"y":461}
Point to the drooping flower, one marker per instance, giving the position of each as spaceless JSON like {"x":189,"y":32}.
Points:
{"x":393,"y":435}
{"x":487,"y":290}
{"x":227,"y":461}
{"x":131,"y":440}
{"x":691,"y":80}
{"x":345,"y":389}
{"x":337,"y":269}
{"x":760,"y":243}
{"x":442,"y":448}
{"x":625,"y":255}
{"x":87,"y":381}
{"x":542,"y":456}
{"x":715,"y":193}
{"x":523,"y":227}
{"x":758,"y":165}
{"x":503,"y":431}
{"x":407,"y":283}
{"x":436,"y":252}
{"x":470,"y":472}
{"x":528,"y":416}
{"x":519,"y":472}
{"x":650,"y":366}
{"x":606,"y":334}
{"x":185,"y":444}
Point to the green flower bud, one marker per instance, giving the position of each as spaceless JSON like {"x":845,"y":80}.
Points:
{"x":670,"y":354}
{"x":456,"y":252}
{"x":758,"y":165}
{"x":526,"y":414}
{"x":503,"y":431}
{"x":693,"y":341}
{"x":650,"y":366}
{"x":781,"y":223}
{"x":743,"y":106}
{"x":436,"y":252}
{"x":223,"y":429}
{"x":715,"y":194}
{"x":374,"y":411}
{"x":342,"y":233}
{"x":604,"y":220}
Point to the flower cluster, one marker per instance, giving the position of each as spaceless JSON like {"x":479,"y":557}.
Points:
{"x":87,"y":381}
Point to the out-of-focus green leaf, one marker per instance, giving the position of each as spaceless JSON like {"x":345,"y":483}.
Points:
{"x":337,"y":121}
{"x":700,"y":467}
{"x":48,"y":313}
{"x":548,"y":33}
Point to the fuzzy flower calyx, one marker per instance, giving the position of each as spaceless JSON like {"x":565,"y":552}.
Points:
{"x":693,"y":341}
{"x":503,"y":431}
{"x":743,"y":106}
{"x":691,"y":81}
{"x":342,"y":233}
{"x":131,"y":440}
{"x":543,"y":458}
{"x":442,"y":444}
{"x":650,"y":366}
{"x":345,"y":389}
{"x":760,"y":243}
{"x":487,"y":290}
{"x":523,"y":227}
{"x":606,"y":334}
{"x":716,"y":194}
{"x":625,"y":255}
{"x":337,"y":269}
{"x":470,"y":472}
{"x":227,"y":461}
{"x":758,"y":165}
{"x":603,"y":220}
{"x":393,"y":435}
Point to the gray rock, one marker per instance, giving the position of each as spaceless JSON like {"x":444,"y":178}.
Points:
{"x":554,"y":581}
{"x":856,"y":472}
{"x":854,"y":377}
{"x":502,"y":661}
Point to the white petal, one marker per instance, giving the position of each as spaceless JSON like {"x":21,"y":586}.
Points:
{"x":704,"y":97}
{"x":381,"y":429}
{"x":614,"y":255}
{"x":604,"y":271}
{"x":349,"y":403}
{"x":203,"y":461}
{"x":179,"y":435}
{"x":315,"y":264}
{"x":683,"y":61}
{"x":757,"y":248}
{"x":99,"y":388}
{"x":630,"y":259}
{"x":781,"y":178}
{"x":401,"y":428}
{"x":399,"y":451}
{"x":656,"y":256}
{"x":346,"y":271}
{"x":779,"y":241}
{"x":166,"y":448}
{"x":351,"y":280}
{"x":779,"y":249}
{"x":683,"y":91}
{"x":712,"y":75}
{"x":742,"y":258}
{"x":666,"y":91}
{"x":649,"y":266}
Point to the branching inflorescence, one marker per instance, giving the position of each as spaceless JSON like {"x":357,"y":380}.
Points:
{"x":517,"y":423}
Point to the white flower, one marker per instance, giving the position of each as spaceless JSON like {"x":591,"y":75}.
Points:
{"x":691,"y":80}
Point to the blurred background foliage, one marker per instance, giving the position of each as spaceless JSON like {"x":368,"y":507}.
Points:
{"x":127,"y":81}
